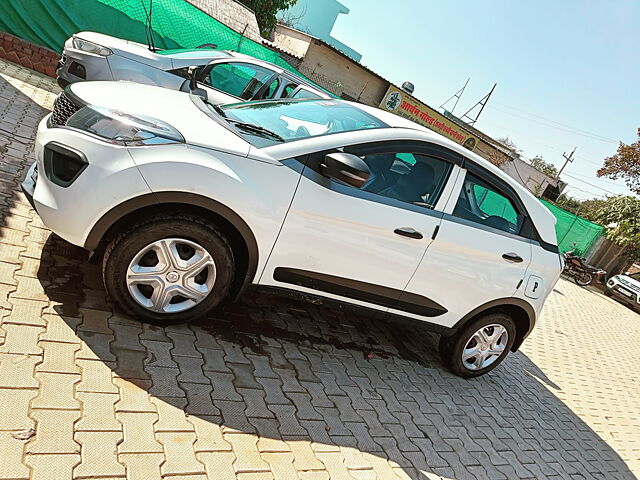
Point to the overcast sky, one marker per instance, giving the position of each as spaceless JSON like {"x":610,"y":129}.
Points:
{"x":568,"y":72}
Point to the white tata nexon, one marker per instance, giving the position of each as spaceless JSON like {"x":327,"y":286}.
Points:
{"x":188,"y":203}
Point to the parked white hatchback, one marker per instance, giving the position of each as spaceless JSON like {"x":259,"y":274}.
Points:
{"x":188,"y":203}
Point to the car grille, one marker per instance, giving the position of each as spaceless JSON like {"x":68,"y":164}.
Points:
{"x":63,"y":108}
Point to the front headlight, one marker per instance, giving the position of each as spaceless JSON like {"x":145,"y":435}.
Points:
{"x":123,"y":128}
{"x":90,"y":47}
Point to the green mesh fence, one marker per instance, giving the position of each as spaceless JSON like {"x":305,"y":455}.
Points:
{"x":572,"y":229}
{"x":176,"y":24}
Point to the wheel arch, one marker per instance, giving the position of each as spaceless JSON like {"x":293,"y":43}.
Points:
{"x":240,"y":236}
{"x":522,"y":313}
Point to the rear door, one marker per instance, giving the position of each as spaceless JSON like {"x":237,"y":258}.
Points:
{"x":482,"y":250}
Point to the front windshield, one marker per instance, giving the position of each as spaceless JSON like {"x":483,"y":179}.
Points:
{"x":291,"y":120}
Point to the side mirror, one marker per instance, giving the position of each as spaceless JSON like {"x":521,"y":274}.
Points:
{"x":194,"y":73}
{"x":347,"y":168}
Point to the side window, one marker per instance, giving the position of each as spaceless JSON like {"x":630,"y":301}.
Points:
{"x":482,"y":203}
{"x":288,"y":90}
{"x":409,"y":177}
{"x":239,"y":79}
{"x":304,"y":93}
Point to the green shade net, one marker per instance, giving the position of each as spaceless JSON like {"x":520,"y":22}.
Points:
{"x":572,"y":229}
{"x":176,"y":24}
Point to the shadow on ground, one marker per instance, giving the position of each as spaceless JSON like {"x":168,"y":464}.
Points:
{"x":288,"y":370}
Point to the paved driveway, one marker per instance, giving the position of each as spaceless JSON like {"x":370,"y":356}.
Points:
{"x":276,"y":389}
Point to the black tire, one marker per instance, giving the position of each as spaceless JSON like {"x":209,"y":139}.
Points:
{"x":126,"y":244}
{"x":583,"y":279}
{"x":451,"y":347}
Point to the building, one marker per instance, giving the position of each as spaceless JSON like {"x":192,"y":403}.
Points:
{"x":332,"y":69}
{"x":233,"y":14}
{"x":317,"y":18}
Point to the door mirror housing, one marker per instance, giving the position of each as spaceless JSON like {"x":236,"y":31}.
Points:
{"x":194,"y":73}
{"x":347,"y":168}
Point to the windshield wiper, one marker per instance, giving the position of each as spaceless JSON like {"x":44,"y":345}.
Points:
{"x":255,"y":129}
{"x":217,"y":109}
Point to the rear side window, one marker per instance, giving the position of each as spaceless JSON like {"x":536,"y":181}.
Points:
{"x":486,"y":205}
{"x":242,"y":80}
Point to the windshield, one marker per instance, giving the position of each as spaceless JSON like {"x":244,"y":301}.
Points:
{"x":291,"y":120}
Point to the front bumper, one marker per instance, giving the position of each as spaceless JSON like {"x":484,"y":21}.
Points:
{"x":623,"y":293}
{"x":110,"y":178}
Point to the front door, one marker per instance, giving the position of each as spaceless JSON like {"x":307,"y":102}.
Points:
{"x":362,"y":245}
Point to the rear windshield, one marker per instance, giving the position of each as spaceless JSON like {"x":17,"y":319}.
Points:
{"x":297,"y":119}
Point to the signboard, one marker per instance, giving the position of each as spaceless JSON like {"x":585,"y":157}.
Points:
{"x":400,"y":103}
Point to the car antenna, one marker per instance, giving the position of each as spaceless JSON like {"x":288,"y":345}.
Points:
{"x":148,"y":30}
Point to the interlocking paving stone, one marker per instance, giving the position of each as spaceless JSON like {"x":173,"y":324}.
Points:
{"x":58,"y":357}
{"x":134,"y":396}
{"x":98,"y":412}
{"x":248,"y":457}
{"x":138,"y":432}
{"x":171,"y":415}
{"x":179,"y":453}
{"x":142,"y":465}
{"x":209,"y":436}
{"x":22,"y":339}
{"x":98,"y":455}
{"x":56,"y":391}
{"x":16,"y":370}
{"x":54,"y":432}
{"x":96,"y":376}
{"x":14,"y":408}
{"x":52,"y":466}
{"x":11,"y":451}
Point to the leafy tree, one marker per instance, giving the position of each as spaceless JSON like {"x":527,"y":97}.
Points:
{"x":621,"y":216}
{"x":265,"y":11}
{"x":547,"y":168}
{"x":625,"y":164}
{"x":508,"y":143}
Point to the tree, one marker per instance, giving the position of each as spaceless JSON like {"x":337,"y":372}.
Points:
{"x":547,"y":168}
{"x":621,"y":216}
{"x":625,"y":164}
{"x":265,"y":11}
{"x":508,"y":143}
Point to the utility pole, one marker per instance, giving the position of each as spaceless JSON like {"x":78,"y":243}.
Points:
{"x":567,"y":160}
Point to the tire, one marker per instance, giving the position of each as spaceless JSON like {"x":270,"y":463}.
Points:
{"x":583,"y":278}
{"x":168,"y":237}
{"x":451,"y":347}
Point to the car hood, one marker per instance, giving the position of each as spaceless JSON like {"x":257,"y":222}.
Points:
{"x":174,"y":107}
{"x":629,"y":282}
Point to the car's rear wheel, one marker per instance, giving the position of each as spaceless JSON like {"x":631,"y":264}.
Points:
{"x":168,"y":270}
{"x":480,"y":346}
{"x":583,"y":278}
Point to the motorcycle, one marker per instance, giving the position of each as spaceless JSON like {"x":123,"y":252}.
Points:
{"x":582,"y":273}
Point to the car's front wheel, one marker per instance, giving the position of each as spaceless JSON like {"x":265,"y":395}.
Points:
{"x":168,"y":269}
{"x":480,"y":346}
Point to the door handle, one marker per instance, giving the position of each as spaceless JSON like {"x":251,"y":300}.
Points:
{"x":408,"y":232}
{"x":512,"y":257}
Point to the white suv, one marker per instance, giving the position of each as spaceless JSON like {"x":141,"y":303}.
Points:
{"x":188,"y":203}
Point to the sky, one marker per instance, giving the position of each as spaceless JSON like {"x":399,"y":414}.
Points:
{"x":567,"y":71}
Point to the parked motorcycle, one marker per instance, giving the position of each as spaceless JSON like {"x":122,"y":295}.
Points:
{"x":582,"y":273}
